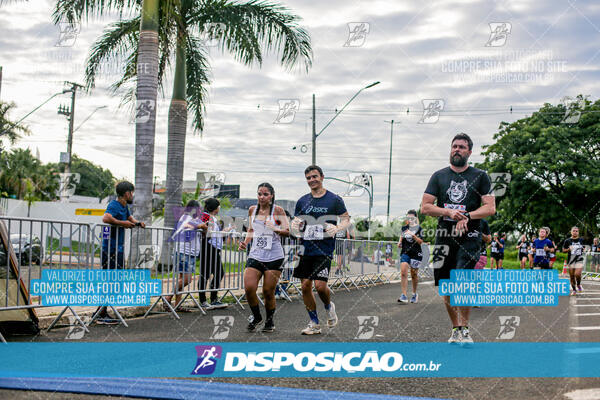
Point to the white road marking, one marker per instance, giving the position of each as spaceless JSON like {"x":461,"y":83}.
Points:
{"x":586,"y":328}
{"x":583,"y":394}
{"x":587,"y":305}
{"x":588,"y":314}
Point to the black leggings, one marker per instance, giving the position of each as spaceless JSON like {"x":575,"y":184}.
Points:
{"x":210,"y":263}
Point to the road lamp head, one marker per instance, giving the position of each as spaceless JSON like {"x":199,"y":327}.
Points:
{"x":372,"y":84}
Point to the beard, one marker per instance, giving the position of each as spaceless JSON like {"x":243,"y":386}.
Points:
{"x":130,"y":201}
{"x":457,"y":160}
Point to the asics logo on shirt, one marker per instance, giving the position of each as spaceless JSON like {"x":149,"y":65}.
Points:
{"x":316,"y":209}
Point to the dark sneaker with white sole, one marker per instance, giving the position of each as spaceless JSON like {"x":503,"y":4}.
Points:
{"x":269,"y":326}
{"x":253,"y":323}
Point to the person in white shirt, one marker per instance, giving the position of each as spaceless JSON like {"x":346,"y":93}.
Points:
{"x":268,"y":223}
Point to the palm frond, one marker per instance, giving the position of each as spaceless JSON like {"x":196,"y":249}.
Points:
{"x":255,"y":24}
{"x":198,"y":80}
{"x":73,"y":11}
{"x":119,"y":41}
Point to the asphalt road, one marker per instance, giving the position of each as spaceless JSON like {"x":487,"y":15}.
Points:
{"x":574,"y":319}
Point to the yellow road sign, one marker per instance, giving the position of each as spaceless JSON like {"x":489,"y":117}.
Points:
{"x":89,"y":211}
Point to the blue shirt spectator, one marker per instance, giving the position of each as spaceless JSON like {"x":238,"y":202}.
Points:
{"x":116,"y":238}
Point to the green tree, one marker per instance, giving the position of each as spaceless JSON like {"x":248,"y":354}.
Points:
{"x":23,"y":174}
{"x":8,"y":129}
{"x":554,"y":171}
{"x":95,"y":181}
{"x":244,"y":29}
{"x":30,"y":194}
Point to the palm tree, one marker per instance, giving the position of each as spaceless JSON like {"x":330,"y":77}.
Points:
{"x":145,"y":127}
{"x":243,"y":29}
{"x":9,"y":129}
{"x":24,"y":175}
{"x":147,"y":81}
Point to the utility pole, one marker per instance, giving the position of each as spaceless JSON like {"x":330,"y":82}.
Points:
{"x":390,"y":168}
{"x":70,"y":113}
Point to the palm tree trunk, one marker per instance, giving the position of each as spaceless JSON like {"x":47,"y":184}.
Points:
{"x":176,"y":136}
{"x":147,"y":89}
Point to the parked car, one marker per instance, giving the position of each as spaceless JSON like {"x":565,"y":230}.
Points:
{"x":27,"y":248}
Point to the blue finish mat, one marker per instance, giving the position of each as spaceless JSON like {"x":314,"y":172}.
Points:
{"x":181,"y":389}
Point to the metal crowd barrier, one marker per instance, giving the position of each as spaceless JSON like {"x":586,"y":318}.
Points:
{"x":213,"y":269}
{"x":47,"y":244}
{"x":50,"y":244}
{"x":591,"y":266}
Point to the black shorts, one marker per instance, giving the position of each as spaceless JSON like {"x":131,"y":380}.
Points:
{"x":596,"y":259}
{"x":462,"y":254}
{"x":264,"y":266}
{"x":315,"y":268}
{"x":498,"y":256}
{"x":522,"y":255}
{"x":541,"y":264}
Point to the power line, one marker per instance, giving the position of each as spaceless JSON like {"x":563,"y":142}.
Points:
{"x":299,"y":172}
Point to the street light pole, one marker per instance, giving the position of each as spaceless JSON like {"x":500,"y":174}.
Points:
{"x":369,"y":190}
{"x":88,"y":117}
{"x":315,"y":135}
{"x":390,"y":169}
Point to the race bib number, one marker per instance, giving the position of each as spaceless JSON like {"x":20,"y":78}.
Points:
{"x":460,"y":207}
{"x":494,"y":249}
{"x":263,"y":242}
{"x":540,"y":252}
{"x":415,"y":263}
{"x":577,"y":249}
{"x":313,"y":232}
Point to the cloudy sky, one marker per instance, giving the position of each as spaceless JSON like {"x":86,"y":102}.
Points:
{"x":419,"y":51}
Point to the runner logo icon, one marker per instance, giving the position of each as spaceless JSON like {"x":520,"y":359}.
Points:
{"x":508,"y":327}
{"x":366,"y":326}
{"x":207,"y":359}
{"x":223,"y":325}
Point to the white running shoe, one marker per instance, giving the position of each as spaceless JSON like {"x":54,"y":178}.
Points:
{"x":456,"y":336}
{"x":332,"y":318}
{"x":312,"y":329}
{"x":467,"y":340}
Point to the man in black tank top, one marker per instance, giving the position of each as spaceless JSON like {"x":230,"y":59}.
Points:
{"x":463,"y":197}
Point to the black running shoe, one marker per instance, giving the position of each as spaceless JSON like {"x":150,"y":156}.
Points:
{"x":253,"y":323}
{"x":269,"y":326}
{"x":107,"y":321}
